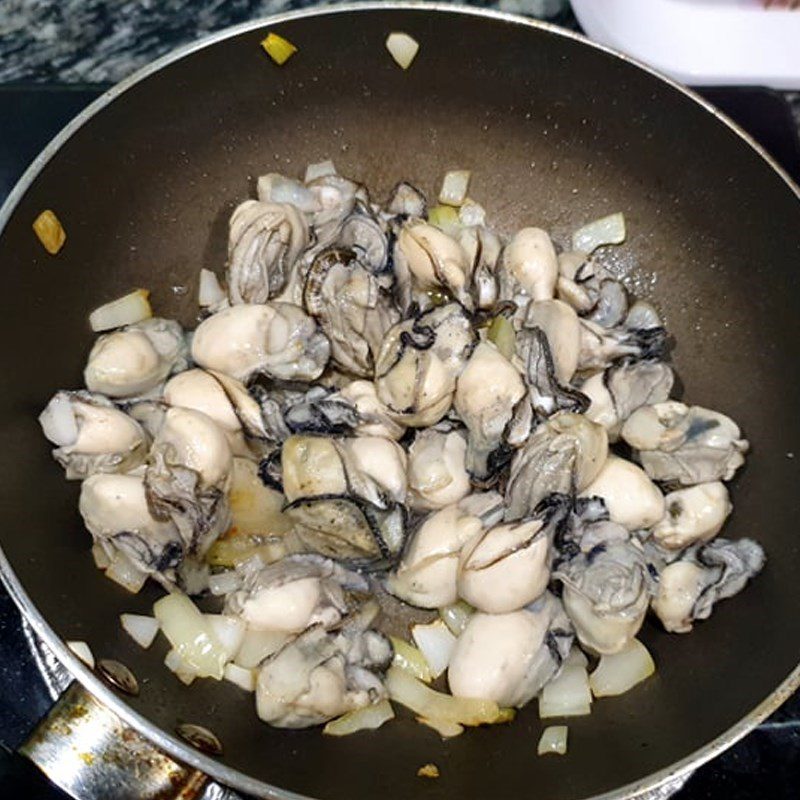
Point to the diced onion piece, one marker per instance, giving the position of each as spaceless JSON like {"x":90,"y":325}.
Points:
{"x":456,"y":616}
{"x":49,"y":231}
{"x":368,"y":718}
{"x":427,"y":703}
{"x":230,"y":632}
{"x":436,"y":643}
{"x":501,"y":334}
{"x":191,"y":634}
{"x":257,"y":645}
{"x":322,"y":169}
{"x":471,"y":213}
{"x":126,"y":310}
{"x":444,"y":728}
{"x":58,"y":421}
{"x":224,"y":582}
{"x":566,"y":696}
{"x":445,"y":218}
{"x":210,"y":292}
{"x":174,"y":663}
{"x":122,"y":571}
{"x":255,"y":508}
{"x":454,"y":187}
{"x":276,"y":188}
{"x":402,"y":47}
{"x":100,"y":556}
{"x":81,"y":649}
{"x":607,"y":230}
{"x":617,"y":673}
{"x":576,"y":658}
{"x":407,"y":657}
{"x":140,"y":628}
{"x":241,"y":676}
{"x":553,"y":740}
{"x":280,"y":50}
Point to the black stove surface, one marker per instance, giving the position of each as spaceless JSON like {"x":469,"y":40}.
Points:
{"x":765,"y":764}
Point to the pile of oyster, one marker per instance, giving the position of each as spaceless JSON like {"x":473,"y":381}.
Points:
{"x":391,"y":406}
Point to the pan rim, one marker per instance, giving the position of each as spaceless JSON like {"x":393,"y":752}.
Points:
{"x":171,"y":744}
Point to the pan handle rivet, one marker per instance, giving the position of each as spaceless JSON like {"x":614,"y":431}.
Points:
{"x":200,"y":738}
{"x":118,"y":675}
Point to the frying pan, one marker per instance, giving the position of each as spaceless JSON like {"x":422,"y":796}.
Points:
{"x":557,"y":131}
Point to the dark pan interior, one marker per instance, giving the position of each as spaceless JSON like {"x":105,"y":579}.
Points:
{"x":556,"y":133}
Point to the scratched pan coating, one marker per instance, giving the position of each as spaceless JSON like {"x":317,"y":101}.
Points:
{"x":556,"y":133}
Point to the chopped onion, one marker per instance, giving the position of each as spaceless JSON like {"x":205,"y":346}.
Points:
{"x":49,"y":231}
{"x":224,"y":582}
{"x":471,"y":213}
{"x":322,"y":169}
{"x":617,"y":673}
{"x":501,"y":333}
{"x":454,"y":187}
{"x":58,"y":421}
{"x":255,"y":508}
{"x":210,"y":291}
{"x":456,"y":616}
{"x":445,"y":218}
{"x":275,"y":188}
{"x":428,"y":771}
{"x":174,"y":663}
{"x":280,"y":50}
{"x":424,"y":701}
{"x":81,"y":649}
{"x":566,"y":696}
{"x":576,"y":658}
{"x":127,"y":310}
{"x":444,"y":728}
{"x":100,"y":556}
{"x":402,"y":47}
{"x":122,"y":571}
{"x":230,"y":632}
{"x":140,"y":628}
{"x":190,"y":633}
{"x":257,"y":645}
{"x":553,"y":740}
{"x":436,"y":643}
{"x":362,"y":719}
{"x":607,"y":230}
{"x":407,"y":657}
{"x":244,"y":678}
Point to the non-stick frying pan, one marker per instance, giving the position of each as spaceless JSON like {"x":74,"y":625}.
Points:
{"x":556,"y":132}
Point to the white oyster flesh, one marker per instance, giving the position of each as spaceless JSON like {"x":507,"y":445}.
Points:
{"x":695,"y":514}
{"x":116,"y":512}
{"x":530,"y":261}
{"x":606,"y":594}
{"x":294,"y":594}
{"x":507,"y":657}
{"x":428,"y":570}
{"x":560,"y":324}
{"x":690,"y":586}
{"x":506,"y":568}
{"x":264,"y":242}
{"x":688,"y":444}
{"x":567,"y":452}
{"x":373,"y":416}
{"x":427,"y":259}
{"x":483,"y":248}
{"x":486,"y":393}
{"x":92,"y":435}
{"x":437,"y":474}
{"x":278,"y":340}
{"x":135,"y":360}
{"x":321,"y":675}
{"x":632,"y":499}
